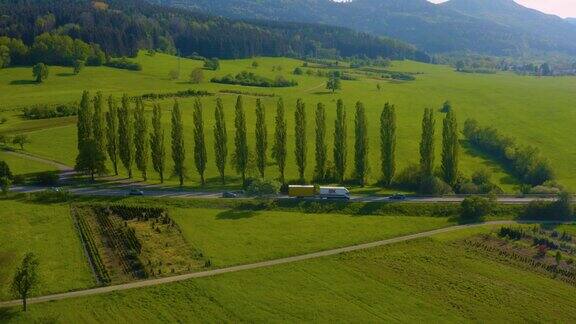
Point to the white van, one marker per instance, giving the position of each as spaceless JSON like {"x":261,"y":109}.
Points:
{"x":334,"y":193}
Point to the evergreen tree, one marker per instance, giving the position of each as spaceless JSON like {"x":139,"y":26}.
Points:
{"x":427,"y":144}
{"x":261,"y":137}
{"x":199,"y":141}
{"x":340,"y":137}
{"x":388,"y":143}
{"x":141,"y":139}
{"x":220,"y":139}
{"x":178,"y":152}
{"x":240,"y":140}
{"x":99,"y":129}
{"x":279,"y":150}
{"x":321,"y":149}
{"x":112,"y":133}
{"x":450,"y":148}
{"x":300,"y":147}
{"x":126,"y":135}
{"x":361,"y":144}
{"x":157,"y":142}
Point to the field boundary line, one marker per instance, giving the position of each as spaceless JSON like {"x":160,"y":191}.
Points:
{"x":264,"y":264}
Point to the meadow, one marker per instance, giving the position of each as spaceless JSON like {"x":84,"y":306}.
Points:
{"x":535,"y":111}
{"x":433,"y":279}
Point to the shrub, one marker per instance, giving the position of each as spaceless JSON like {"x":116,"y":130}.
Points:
{"x":47,"y":178}
{"x":212,"y":64}
{"x":52,"y":196}
{"x":5,"y":184}
{"x":409,"y":178}
{"x":544,"y":190}
{"x":124,"y":64}
{"x":263,"y":187}
{"x":475,"y":208}
{"x":44,"y":111}
{"x":434,"y":186}
{"x":5,"y":170}
{"x":250,"y":79}
{"x":298,"y":71}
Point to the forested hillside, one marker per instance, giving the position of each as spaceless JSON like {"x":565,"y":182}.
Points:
{"x":493,"y":27}
{"x":122,"y":27}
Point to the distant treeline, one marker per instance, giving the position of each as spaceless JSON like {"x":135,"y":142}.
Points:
{"x":250,"y":79}
{"x":41,"y":111}
{"x":123,"y":27}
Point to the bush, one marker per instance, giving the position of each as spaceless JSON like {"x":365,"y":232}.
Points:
{"x":250,"y":79}
{"x":212,"y":64}
{"x":409,"y":178}
{"x":52,"y":196}
{"x":124,"y":64}
{"x":298,"y":71}
{"x":263,"y":187}
{"x":544,"y":190}
{"x":5,"y":184}
{"x":434,"y":186}
{"x":5,"y":170}
{"x":476,"y":208}
{"x":44,"y":111}
{"x":47,"y":178}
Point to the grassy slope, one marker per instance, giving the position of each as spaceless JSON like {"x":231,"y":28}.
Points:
{"x":537,"y":111}
{"x":434,"y":279}
{"x":47,"y":231}
{"x":21,"y":166}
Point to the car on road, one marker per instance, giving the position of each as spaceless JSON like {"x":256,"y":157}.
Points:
{"x":136,"y":192}
{"x":398,"y":196}
{"x":230,"y":194}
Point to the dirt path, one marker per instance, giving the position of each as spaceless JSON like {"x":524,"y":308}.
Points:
{"x":263,"y":264}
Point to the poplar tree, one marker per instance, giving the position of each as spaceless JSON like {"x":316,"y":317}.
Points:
{"x":388,"y":143}
{"x":450,"y":148}
{"x":220,"y":139}
{"x":199,"y":141}
{"x":321,"y":150}
{"x":300,"y":148}
{"x":112,"y":133}
{"x":240,"y":140}
{"x":157,"y":146}
{"x":427,"y":144}
{"x":90,"y":158}
{"x":84,"y":124}
{"x":261,"y":137}
{"x":99,"y":130}
{"x":126,"y":135}
{"x":340,"y":137}
{"x":178,"y":151}
{"x":361,"y":144}
{"x":279,"y":151}
{"x":141,"y":139}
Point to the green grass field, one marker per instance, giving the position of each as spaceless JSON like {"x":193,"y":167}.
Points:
{"x":23,"y":166}
{"x":536,"y":111}
{"x":435,"y":279}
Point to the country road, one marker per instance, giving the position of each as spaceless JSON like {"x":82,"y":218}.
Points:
{"x":263,"y":264}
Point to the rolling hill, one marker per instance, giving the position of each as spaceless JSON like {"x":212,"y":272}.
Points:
{"x":494,"y":27}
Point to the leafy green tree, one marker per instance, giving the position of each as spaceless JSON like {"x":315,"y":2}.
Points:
{"x":40,"y":72}
{"x":126,"y":135}
{"x":5,"y":184}
{"x":212,"y":64}
{"x":446,"y":107}
{"x":261,"y":138}
{"x":321,"y":149}
{"x":98,"y":127}
{"x":112,"y":133}
{"x":279,"y":150}
{"x":20,"y":140}
{"x":178,"y":151}
{"x":220,"y":139}
{"x":300,"y":147}
{"x":90,"y":159}
{"x":196,"y":76}
{"x":5,"y":170}
{"x":141,"y":139}
{"x":200,"y":156}
{"x":427,"y":143}
{"x":78,"y":66}
{"x":157,"y":146}
{"x":388,"y":143}
{"x":333,"y":83}
{"x":26,"y":278}
{"x":450,"y":148}
{"x":340,"y":137}
{"x":361,"y":144}
{"x":240,"y":140}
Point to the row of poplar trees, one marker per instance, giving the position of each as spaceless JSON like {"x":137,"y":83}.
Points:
{"x":121,"y":134}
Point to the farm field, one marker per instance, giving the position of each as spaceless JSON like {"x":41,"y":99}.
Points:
{"x":535,"y":111}
{"x":432,"y":279}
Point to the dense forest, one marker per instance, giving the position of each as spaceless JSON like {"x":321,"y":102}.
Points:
{"x":122,"y":27}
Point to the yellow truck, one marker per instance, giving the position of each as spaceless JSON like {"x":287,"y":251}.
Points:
{"x":318,"y":192}
{"x":302,"y":191}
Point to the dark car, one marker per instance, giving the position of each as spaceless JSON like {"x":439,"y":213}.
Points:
{"x":230,"y":194}
{"x":398,"y":196}
{"x":136,"y":192}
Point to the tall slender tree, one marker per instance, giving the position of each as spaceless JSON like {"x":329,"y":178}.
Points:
{"x":279,"y":150}
{"x":388,"y":143}
{"x":361,"y":144}
{"x":112,"y":133}
{"x":200,"y":157}
{"x":126,"y":135}
{"x":178,"y":151}
{"x":300,"y":147}
{"x":220,"y":140}
{"x":321,"y":149}
{"x":427,"y":143}
{"x":84,"y":123}
{"x":261,"y":137}
{"x":240,"y":140}
{"x":141,"y":139}
{"x":157,"y":146}
{"x":450,"y":148}
{"x":91,"y":159}
{"x":98,"y":127}
{"x":340,"y":138}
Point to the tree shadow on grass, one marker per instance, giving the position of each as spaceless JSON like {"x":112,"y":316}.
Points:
{"x":6,"y":314}
{"x":235,"y":214}
{"x":23,"y":82}
{"x":323,"y":92}
{"x":65,"y":74}
{"x":490,"y":162}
